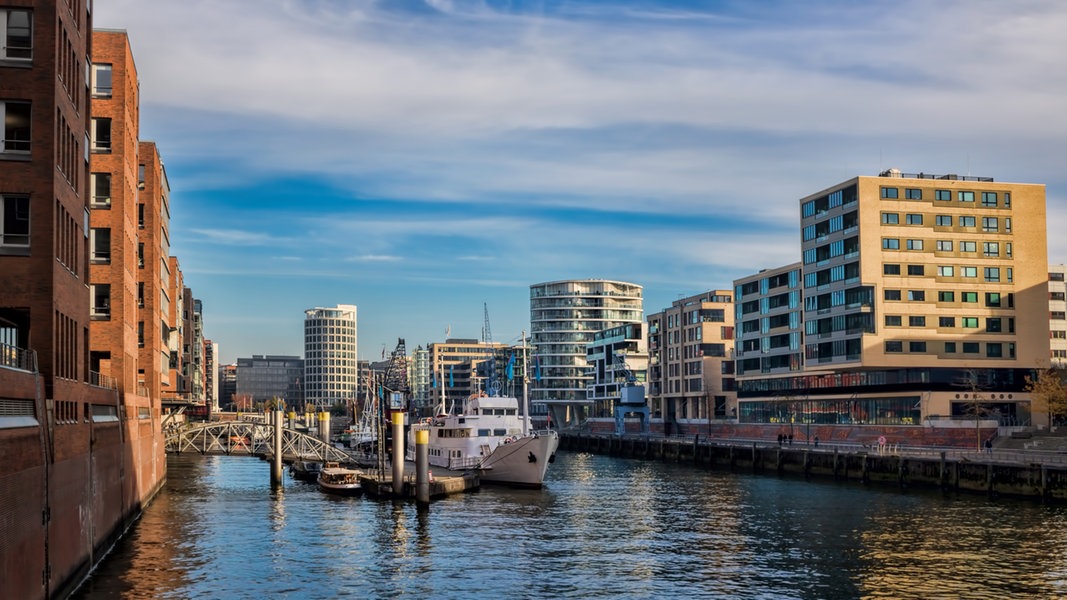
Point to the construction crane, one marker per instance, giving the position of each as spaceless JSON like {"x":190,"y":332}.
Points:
{"x":487,"y":334}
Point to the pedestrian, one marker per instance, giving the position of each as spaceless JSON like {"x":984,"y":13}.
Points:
{"x":816,"y":441}
{"x":989,"y":446}
{"x":780,"y":436}
{"x":790,"y":439}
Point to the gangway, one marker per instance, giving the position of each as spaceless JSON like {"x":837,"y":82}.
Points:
{"x":252,"y":439}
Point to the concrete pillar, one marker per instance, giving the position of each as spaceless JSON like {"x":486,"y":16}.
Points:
{"x":276,"y":463}
{"x":422,"y":466}
{"x":398,"y":454}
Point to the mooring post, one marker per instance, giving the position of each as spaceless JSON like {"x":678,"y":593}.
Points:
{"x":398,"y":454}
{"x":324,"y":426}
{"x":422,"y":467}
{"x":276,"y":463}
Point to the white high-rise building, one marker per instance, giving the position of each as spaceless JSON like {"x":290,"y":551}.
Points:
{"x":564,"y":317}
{"x":331,"y":371}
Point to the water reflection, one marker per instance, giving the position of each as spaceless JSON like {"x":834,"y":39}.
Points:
{"x":601,"y":528}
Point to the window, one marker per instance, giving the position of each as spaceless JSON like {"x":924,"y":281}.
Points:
{"x":989,"y":198}
{"x":16,"y":34}
{"x":893,"y":321}
{"x":950,"y":347}
{"x":890,"y":244}
{"x":140,"y":215}
{"x":888,"y":192}
{"x":943,"y":195}
{"x":965,"y":196}
{"x":968,"y":246}
{"x":967,"y":221}
{"x":944,"y":245}
{"x":992,"y":274}
{"x":993,"y":325}
{"x":992,"y":299}
{"x":1058,"y":334}
{"x":1057,"y":315}
{"x":14,"y":221}
{"x":989,"y":224}
{"x":994,"y":350}
{"x":915,"y":244}
{"x":1007,"y":199}
{"x":101,"y":81}
{"x":140,"y":294}
{"x":970,"y":347}
{"x":890,"y":218}
{"x":892,"y":294}
{"x":945,"y":271}
{"x":100,"y":245}
{"x":1007,"y":223}
{"x":916,"y":295}
{"x":15,"y":116}
{"x":913,"y":219}
{"x":916,"y":321}
{"x":990,"y":249}
{"x":946,"y":321}
{"x":946,"y":296}
{"x":1057,"y":296}
{"x":916,"y":346}
{"x":916,"y":270}
{"x":969,"y":322}
{"x":1007,"y":248}
{"x":969,"y":271}
{"x":894,"y":346}
{"x":101,"y":294}
{"x":140,"y":255}
{"x":101,"y":190}
{"x":943,"y":221}
{"x":913,"y":194}
{"x":969,"y":296}
{"x":889,"y":269}
{"x":101,"y":132}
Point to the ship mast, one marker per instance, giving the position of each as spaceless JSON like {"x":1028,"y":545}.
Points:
{"x":525,"y":390}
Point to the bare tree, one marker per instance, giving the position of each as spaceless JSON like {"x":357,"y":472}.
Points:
{"x":1048,"y":393}
{"x":971,"y":381}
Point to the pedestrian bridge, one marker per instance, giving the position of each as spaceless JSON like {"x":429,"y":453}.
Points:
{"x":252,"y":439}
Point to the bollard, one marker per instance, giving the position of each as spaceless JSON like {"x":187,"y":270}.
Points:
{"x":398,"y":454}
{"x":324,"y":426}
{"x":422,"y":466}
{"x":292,"y":419}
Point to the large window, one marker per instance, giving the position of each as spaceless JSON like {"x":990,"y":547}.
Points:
{"x":14,"y":221}
{"x":944,"y":245}
{"x":966,"y":196}
{"x":888,"y":192}
{"x":989,"y":224}
{"x":101,"y":295}
{"x":101,"y":192}
{"x":967,"y":221}
{"x":890,"y":244}
{"x":989,"y":198}
{"x":16,"y":34}
{"x":890,"y":218}
{"x":101,"y":132}
{"x":100,"y":245}
{"x":943,"y":221}
{"x":914,"y":219}
{"x":15,"y":115}
{"x":102,"y":80}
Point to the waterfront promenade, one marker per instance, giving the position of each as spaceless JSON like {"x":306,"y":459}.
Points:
{"x":1017,"y":468}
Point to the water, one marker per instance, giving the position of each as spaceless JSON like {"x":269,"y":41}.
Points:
{"x":602,"y":527}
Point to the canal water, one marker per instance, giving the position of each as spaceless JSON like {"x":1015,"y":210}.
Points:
{"x":602,"y":527}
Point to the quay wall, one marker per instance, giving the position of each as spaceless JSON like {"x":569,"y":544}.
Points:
{"x":72,"y":483}
{"x":1042,"y":478}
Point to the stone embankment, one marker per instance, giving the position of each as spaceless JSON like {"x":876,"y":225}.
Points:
{"x":1017,"y":472}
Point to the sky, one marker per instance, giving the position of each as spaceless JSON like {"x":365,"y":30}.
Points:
{"x":429,"y":160}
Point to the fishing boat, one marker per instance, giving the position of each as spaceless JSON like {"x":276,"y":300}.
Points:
{"x":490,"y":437}
{"x":335,"y":479}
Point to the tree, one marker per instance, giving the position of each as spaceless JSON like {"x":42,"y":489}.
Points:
{"x":971,"y":381}
{"x":1048,"y":393}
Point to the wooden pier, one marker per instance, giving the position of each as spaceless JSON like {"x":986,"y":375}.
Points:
{"x":381,"y":486}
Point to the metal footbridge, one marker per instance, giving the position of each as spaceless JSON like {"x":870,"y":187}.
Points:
{"x":252,"y":439}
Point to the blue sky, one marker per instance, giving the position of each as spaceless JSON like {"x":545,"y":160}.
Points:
{"x":423,"y":158}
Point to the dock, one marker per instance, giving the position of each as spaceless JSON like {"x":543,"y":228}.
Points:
{"x":381,"y":486}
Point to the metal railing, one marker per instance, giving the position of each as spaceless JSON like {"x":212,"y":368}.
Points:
{"x":18,"y":358}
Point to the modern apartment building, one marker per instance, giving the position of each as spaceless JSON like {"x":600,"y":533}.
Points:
{"x":691,"y":363}
{"x":331,"y":373}
{"x":1057,"y":313}
{"x":925,"y":295}
{"x":769,"y":312}
{"x":616,"y":357}
{"x":564,"y":316}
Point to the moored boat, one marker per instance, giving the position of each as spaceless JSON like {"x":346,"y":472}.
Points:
{"x":305,"y":470}
{"x":491,"y":438}
{"x":335,"y":479}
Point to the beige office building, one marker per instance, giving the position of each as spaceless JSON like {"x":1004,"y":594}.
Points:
{"x":1057,"y":314}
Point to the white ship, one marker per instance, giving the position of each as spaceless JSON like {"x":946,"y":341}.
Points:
{"x":489,"y":437}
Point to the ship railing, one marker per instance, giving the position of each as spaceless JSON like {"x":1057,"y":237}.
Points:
{"x":464,"y":463}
